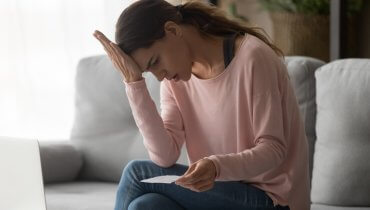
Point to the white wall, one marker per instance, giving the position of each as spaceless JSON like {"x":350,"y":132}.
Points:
{"x":41,"y":42}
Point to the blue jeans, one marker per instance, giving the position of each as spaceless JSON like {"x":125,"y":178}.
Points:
{"x":133,"y":194}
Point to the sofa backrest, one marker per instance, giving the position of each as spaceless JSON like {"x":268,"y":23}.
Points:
{"x":301,"y":71}
{"x":341,"y":173}
{"x":104,"y":128}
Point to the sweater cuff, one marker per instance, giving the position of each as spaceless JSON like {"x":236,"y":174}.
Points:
{"x":214,"y":159}
{"x":135,"y":85}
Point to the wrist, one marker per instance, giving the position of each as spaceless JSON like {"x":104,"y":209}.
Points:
{"x":214,"y":165}
{"x":132,"y":80}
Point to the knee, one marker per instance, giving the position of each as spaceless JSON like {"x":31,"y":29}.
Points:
{"x":153,"y":201}
{"x":134,"y":168}
{"x":134,"y":165}
{"x":140,"y":203}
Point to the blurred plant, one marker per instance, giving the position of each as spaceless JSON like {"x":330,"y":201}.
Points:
{"x":233,"y":11}
{"x":320,"y":7}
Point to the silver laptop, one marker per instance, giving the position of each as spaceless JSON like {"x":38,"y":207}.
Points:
{"x":21,"y":185}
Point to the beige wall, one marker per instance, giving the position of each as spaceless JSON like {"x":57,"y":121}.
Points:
{"x":364,"y":31}
{"x":256,"y":16}
{"x":252,"y":10}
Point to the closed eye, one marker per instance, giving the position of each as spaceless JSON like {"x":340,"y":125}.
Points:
{"x":155,"y":62}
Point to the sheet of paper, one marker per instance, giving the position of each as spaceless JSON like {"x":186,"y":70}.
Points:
{"x":167,"y":179}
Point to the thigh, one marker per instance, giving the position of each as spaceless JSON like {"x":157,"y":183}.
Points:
{"x":130,"y":187}
{"x":224,"y":195}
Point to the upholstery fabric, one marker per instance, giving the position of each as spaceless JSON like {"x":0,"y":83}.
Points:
{"x":301,"y":70}
{"x":81,"y":196}
{"x":60,"y":161}
{"x":341,"y":172}
{"x":325,"y":207}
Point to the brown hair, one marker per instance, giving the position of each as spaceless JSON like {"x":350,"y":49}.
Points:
{"x":142,"y":23}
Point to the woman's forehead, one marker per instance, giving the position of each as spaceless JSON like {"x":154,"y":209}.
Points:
{"x":145,"y":56}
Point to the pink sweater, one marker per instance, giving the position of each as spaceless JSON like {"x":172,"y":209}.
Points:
{"x":246,"y":120}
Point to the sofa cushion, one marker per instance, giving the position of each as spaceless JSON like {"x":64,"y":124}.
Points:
{"x":325,"y":207}
{"x":81,"y":196}
{"x":60,"y":161}
{"x":341,"y":161}
{"x":301,"y":71}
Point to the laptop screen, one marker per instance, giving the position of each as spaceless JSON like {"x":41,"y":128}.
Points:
{"x":20,"y":175}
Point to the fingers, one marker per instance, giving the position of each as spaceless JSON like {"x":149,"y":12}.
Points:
{"x":198,"y":177}
{"x":108,"y":47}
{"x":104,"y":41}
{"x":195,"y":175}
{"x":122,"y":62}
{"x":111,"y":48}
{"x":116,"y":53}
{"x":206,"y":187}
{"x":117,"y":50}
{"x":102,"y":38}
{"x":200,"y":186}
{"x":191,"y":168}
{"x":189,"y":174}
{"x":204,"y":184}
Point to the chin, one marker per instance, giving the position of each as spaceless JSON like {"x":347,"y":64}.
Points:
{"x":188,"y":76}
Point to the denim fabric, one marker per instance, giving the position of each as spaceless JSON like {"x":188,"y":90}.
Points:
{"x":133,"y":194}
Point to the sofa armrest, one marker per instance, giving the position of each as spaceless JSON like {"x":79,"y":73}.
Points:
{"x":60,"y":161}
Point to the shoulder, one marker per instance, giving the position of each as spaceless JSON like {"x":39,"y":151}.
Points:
{"x":254,"y":49}
{"x":262,"y":66}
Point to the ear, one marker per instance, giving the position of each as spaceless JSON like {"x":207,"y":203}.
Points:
{"x":172,"y":28}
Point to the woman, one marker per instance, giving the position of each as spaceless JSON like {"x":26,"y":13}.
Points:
{"x":225,"y":93}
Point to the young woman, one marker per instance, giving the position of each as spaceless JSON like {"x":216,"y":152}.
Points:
{"x":226,"y":95}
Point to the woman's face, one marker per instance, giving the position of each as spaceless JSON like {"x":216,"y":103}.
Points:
{"x":168,"y":57}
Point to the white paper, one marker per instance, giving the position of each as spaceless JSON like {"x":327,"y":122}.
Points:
{"x":167,"y":179}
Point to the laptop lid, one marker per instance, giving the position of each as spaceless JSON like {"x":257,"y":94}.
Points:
{"x":21,"y":183}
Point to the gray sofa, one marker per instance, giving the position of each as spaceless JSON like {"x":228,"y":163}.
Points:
{"x":82,"y":173}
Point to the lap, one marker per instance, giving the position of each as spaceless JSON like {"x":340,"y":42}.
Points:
{"x":224,"y":195}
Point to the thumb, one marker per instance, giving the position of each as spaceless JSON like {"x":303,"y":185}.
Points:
{"x":190,"y":169}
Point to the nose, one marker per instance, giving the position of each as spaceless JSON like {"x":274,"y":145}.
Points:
{"x":168,"y":77}
{"x":162,"y":75}
{"x":160,"y":78}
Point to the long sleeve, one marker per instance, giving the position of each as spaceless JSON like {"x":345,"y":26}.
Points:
{"x":163,"y":135}
{"x":270,"y":147}
{"x":267,"y":120}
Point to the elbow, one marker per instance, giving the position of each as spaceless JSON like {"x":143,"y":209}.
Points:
{"x":162,"y":161}
{"x":280,"y":152}
{"x":276,"y":148}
